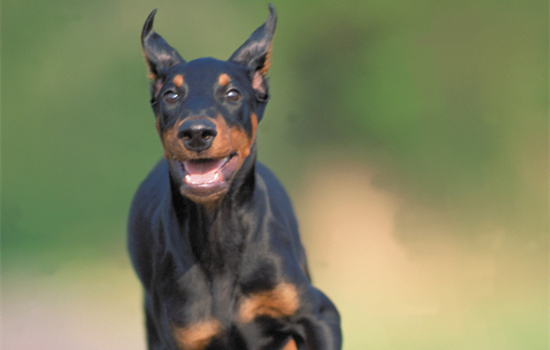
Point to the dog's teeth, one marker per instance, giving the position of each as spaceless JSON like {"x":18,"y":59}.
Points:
{"x":216,"y":176}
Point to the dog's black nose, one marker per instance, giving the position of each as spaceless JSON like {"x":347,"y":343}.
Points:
{"x":197,"y":134}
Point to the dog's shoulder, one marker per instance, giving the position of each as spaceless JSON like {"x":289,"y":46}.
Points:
{"x":281,"y":211}
{"x":274,"y":189}
{"x":151,"y":191}
{"x":145,"y":218}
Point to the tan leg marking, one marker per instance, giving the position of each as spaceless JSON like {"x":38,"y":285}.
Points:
{"x":291,"y":345}
{"x":197,"y":336}
{"x":282,"y":301}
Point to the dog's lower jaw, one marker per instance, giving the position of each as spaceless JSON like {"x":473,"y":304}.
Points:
{"x":238,"y":188}
{"x":210,"y":201}
{"x":206,"y":189}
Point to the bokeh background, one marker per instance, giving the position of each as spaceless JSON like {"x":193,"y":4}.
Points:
{"x":411,"y":135}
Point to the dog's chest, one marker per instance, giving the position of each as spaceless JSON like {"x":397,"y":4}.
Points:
{"x":203,"y":309}
{"x":201,"y":297}
{"x":210,"y":308}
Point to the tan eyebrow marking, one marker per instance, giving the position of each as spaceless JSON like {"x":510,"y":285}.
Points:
{"x":224,"y":79}
{"x":178,"y":80}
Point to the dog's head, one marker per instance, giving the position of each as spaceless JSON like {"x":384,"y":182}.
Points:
{"x":207,"y":110}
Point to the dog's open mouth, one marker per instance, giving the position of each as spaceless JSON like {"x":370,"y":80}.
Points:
{"x":205,"y":177}
{"x":202,"y":172}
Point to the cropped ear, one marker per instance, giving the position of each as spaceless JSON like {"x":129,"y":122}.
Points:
{"x":158,"y":54}
{"x":255,"y":53}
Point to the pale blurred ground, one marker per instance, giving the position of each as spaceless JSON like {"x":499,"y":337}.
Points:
{"x":437,"y":293}
{"x":434,"y":293}
{"x":85,"y":305}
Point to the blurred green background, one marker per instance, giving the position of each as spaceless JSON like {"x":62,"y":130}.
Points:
{"x":412,"y":137}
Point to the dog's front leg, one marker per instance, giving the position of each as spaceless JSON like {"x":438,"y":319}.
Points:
{"x":321,"y":327}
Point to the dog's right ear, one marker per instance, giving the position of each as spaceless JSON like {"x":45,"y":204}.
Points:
{"x":158,"y":54}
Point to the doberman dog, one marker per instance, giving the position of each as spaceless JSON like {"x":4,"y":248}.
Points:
{"x":212,"y":234}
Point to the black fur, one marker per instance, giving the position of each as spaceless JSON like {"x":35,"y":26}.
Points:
{"x":221,"y":261}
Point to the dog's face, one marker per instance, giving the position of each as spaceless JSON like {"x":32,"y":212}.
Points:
{"x":207,"y":111}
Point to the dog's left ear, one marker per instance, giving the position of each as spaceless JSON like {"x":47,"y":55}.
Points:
{"x":255,"y":54}
{"x":158,"y":54}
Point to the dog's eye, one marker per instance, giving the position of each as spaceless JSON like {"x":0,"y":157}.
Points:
{"x":171,"y":97}
{"x":232,"y":95}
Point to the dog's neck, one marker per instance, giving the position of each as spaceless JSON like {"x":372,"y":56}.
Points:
{"x":217,"y":235}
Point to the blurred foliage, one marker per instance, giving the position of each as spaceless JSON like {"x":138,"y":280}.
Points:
{"x":450,"y":98}
{"x":454,"y":97}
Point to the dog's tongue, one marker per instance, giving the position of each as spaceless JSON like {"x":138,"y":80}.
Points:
{"x":203,"y":171}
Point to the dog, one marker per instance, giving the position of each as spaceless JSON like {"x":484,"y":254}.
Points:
{"x":211,"y":231}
